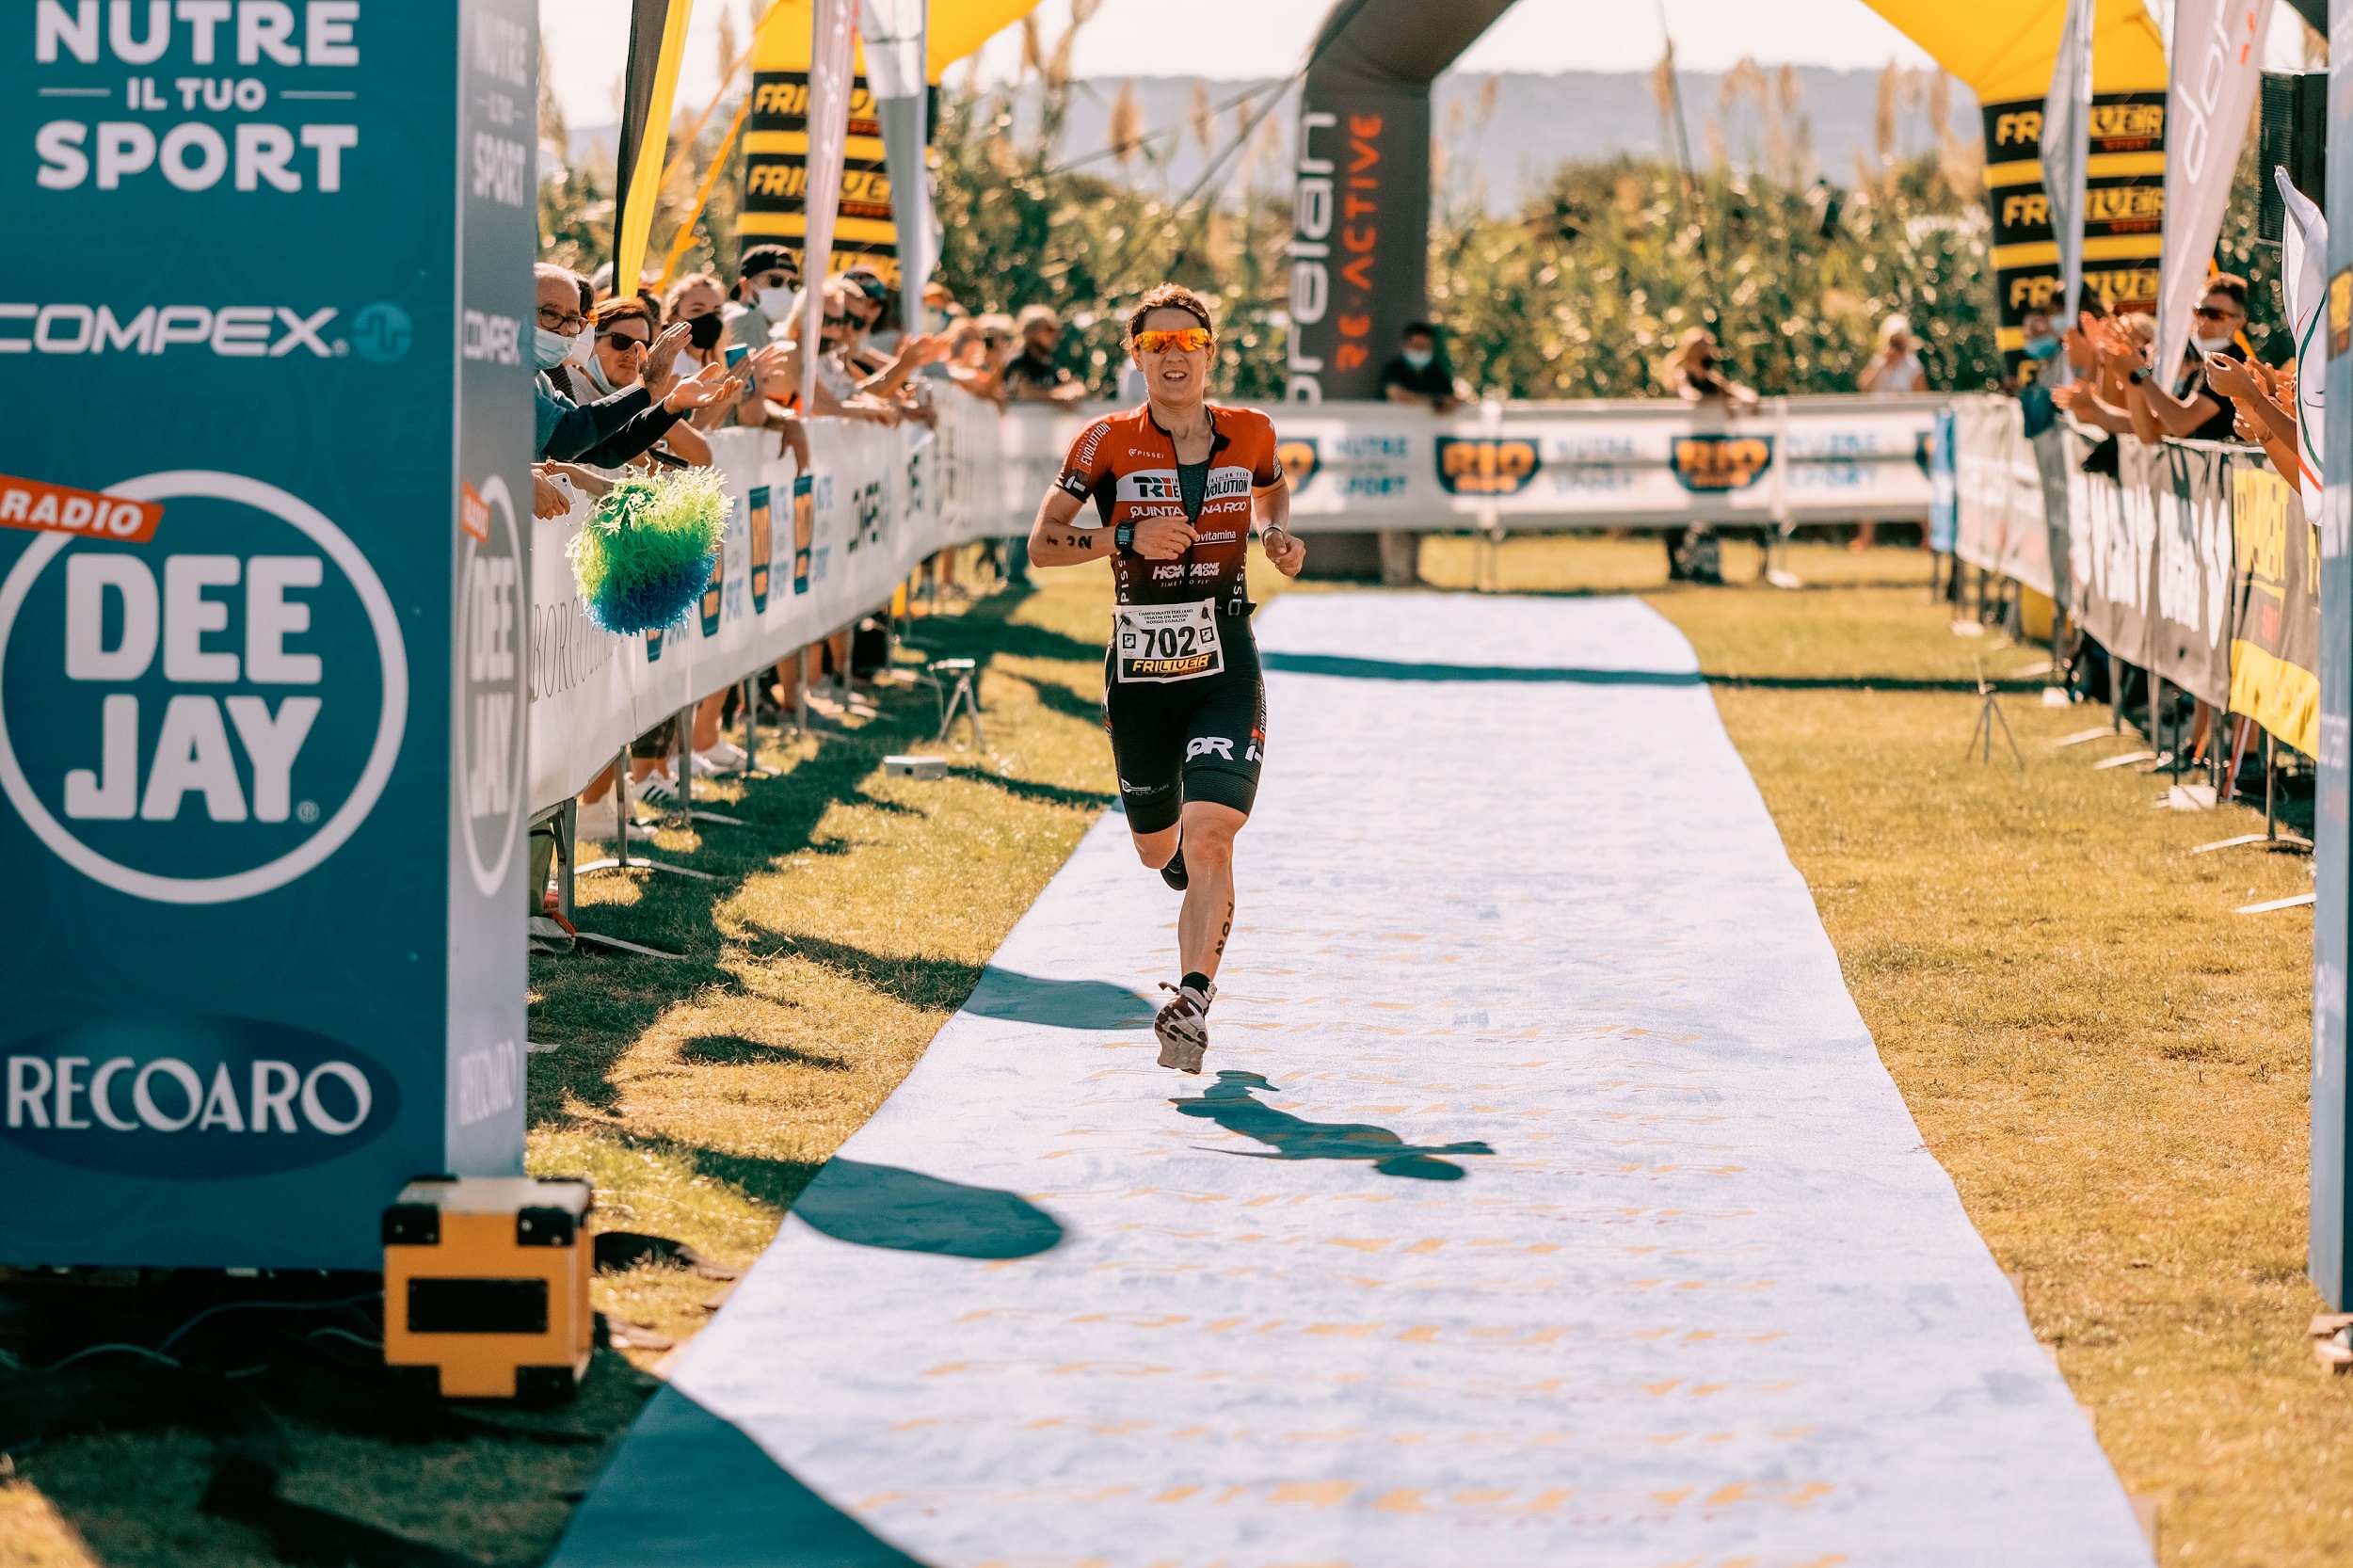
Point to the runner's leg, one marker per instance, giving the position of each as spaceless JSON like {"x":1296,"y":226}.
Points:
{"x":1147,"y":737}
{"x":1225,"y":747}
{"x":1207,"y":916}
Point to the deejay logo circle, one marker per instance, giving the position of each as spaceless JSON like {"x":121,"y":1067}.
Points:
{"x":490,"y":690}
{"x":207,"y":716}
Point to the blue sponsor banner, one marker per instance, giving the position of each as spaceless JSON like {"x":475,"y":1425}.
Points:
{"x":1944,"y":487}
{"x":269,"y":271}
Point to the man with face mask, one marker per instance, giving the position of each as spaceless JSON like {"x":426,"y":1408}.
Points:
{"x":1419,"y":374}
{"x":611,"y":430}
{"x":2041,"y":365}
{"x":765,"y":280}
{"x":2188,"y":410}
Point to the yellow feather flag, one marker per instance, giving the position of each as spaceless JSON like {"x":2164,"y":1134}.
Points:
{"x":653,"y":69}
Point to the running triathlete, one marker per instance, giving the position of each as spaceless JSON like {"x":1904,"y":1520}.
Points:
{"x":1175,"y":485}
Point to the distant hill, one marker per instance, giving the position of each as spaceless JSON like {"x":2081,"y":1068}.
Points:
{"x":1536,"y":123}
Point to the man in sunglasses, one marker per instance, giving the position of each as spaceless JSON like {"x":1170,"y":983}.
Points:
{"x":766,"y":279}
{"x":2191,"y":411}
{"x":1175,"y":485}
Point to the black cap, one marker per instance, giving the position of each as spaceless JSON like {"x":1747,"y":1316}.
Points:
{"x":768,"y":258}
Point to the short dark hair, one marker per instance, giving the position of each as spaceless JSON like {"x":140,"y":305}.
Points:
{"x":767,"y":258}
{"x":1420,"y":330}
{"x":2230,"y":284}
{"x":1170,"y":296}
{"x":642,"y":306}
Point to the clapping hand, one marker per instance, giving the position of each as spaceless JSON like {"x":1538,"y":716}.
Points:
{"x":2229,"y":378}
{"x":711,"y":384}
{"x":663,"y":353}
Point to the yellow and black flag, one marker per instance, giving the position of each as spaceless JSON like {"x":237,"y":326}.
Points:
{"x":776,"y":161}
{"x":657,"y":44}
{"x":2004,"y":51}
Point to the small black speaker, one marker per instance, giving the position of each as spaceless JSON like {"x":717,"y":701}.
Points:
{"x":2295,"y":138}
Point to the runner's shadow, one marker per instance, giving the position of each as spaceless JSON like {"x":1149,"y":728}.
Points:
{"x":1229,"y":1102}
{"x":1058,"y":1003}
{"x":882,"y":1205}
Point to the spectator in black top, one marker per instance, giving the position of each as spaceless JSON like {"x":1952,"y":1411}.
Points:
{"x":1419,"y":372}
{"x":2189,"y":410}
{"x":1032,"y":376}
{"x":609,"y":431}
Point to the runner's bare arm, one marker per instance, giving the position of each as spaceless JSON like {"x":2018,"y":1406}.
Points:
{"x":1057,"y":539}
{"x":1284,"y":551}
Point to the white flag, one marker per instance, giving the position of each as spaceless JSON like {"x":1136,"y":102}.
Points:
{"x":2304,"y":273}
{"x":894,"y":30}
{"x":2066,"y":149}
{"x":2217,"y":62}
{"x":830,"y":56}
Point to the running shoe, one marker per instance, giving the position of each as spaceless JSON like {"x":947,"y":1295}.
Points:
{"x":657,"y":789}
{"x":722,"y":757}
{"x":1183,"y":1027}
{"x":1174,"y":873}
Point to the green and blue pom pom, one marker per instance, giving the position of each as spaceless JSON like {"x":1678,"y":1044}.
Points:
{"x":645,"y":554}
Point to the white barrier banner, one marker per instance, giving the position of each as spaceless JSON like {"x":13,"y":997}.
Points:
{"x":1374,"y":465}
{"x":804,"y":557}
{"x":798,"y":562}
{"x":2000,"y":523}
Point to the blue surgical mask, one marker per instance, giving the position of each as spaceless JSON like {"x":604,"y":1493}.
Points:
{"x":1419,"y":358}
{"x":550,"y":349}
{"x":2043,"y":347}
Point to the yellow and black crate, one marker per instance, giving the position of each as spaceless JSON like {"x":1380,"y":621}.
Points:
{"x":486,"y":1284}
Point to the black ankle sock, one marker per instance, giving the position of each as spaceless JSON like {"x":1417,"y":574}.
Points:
{"x":1195,"y":980}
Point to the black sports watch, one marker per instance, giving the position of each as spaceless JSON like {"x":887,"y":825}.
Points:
{"x":1123,"y":538}
{"x":2139,"y":373}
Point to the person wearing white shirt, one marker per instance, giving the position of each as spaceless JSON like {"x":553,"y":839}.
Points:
{"x":1894,"y":369}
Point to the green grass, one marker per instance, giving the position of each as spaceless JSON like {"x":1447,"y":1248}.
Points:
{"x":2109,"y":1062}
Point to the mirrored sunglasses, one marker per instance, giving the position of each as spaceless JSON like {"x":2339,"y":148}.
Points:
{"x":1187,"y":339}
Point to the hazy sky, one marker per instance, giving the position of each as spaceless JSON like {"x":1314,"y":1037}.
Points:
{"x":587,"y":39}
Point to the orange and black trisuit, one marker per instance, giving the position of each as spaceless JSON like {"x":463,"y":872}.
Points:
{"x":1182,"y":696}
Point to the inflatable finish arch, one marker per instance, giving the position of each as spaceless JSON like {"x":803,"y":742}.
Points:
{"x":1360,"y":246}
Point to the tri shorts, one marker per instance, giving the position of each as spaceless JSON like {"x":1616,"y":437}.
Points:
{"x":1177,"y":741}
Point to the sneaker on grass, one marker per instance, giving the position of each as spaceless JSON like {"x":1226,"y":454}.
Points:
{"x":601,"y":823}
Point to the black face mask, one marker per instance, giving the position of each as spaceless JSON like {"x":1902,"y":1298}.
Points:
{"x":703,"y":331}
